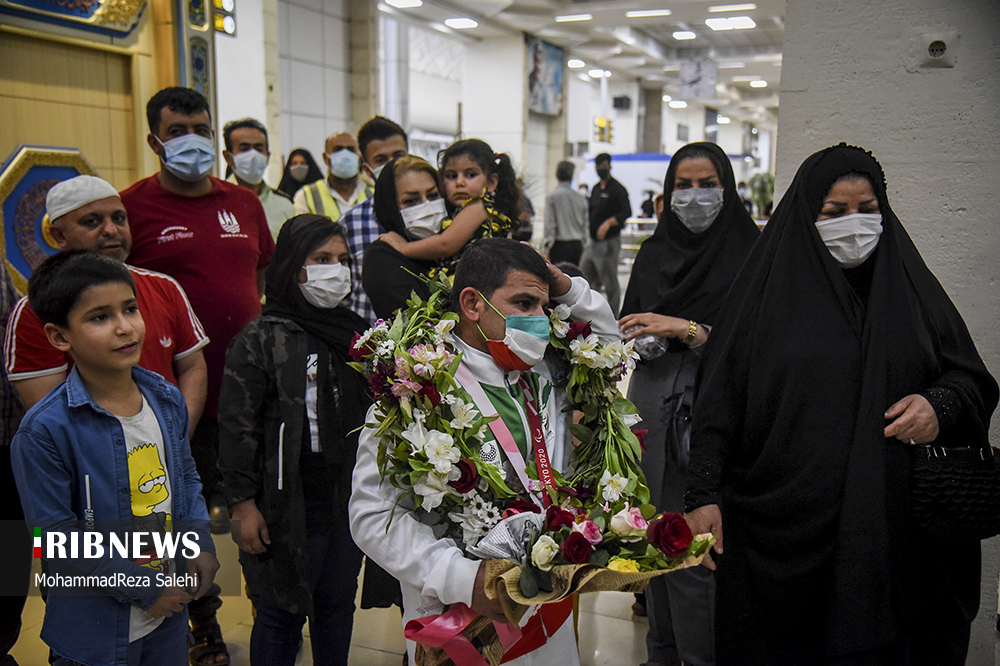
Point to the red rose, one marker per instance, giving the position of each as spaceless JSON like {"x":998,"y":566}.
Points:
{"x":432,"y":393}
{"x":469,"y":478}
{"x":520,"y":506}
{"x":556,"y":518}
{"x":578,"y":329}
{"x":378,"y":384}
{"x":670,"y":533}
{"x":641,"y":436}
{"x":576,"y":549}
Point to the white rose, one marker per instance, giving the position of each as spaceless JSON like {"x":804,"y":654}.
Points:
{"x":543,"y":552}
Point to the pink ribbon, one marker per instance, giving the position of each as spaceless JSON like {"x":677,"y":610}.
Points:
{"x":444,"y":631}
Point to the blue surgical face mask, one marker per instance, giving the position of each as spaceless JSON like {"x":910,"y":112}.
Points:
{"x":190,"y":157}
{"x":345,"y":164}
{"x":250,"y":166}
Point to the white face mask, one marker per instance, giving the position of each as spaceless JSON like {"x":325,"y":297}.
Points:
{"x":298,"y":171}
{"x":851,"y":239}
{"x":326,"y":285}
{"x":424,"y":219}
{"x":190,"y":157}
{"x":250,"y":166}
{"x":345,"y":164}
{"x":697,"y":207}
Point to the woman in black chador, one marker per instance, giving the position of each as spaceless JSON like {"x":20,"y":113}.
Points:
{"x":679,"y":280}
{"x":836,"y":348}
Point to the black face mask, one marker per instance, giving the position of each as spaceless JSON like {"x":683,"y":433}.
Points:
{"x":603,"y":173}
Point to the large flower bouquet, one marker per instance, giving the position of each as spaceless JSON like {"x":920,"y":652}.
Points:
{"x":597,"y":530}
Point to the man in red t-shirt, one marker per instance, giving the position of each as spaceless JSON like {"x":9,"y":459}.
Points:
{"x":213,"y":238}
{"x":86,"y":213}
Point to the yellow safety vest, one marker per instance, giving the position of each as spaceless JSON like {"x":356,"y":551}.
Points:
{"x":321,"y":202}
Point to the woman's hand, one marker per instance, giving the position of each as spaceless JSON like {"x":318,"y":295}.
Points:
{"x":248,"y":529}
{"x":653,"y":324}
{"x":394,"y":240}
{"x":913,"y":420}
{"x":706,"y":519}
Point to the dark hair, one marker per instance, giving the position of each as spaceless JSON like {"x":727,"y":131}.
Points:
{"x":697,"y":153}
{"x":180,"y":100}
{"x":570,"y":269}
{"x":507,"y":194}
{"x":564,"y":171}
{"x":486,"y":263}
{"x":288,"y":185}
{"x":56,"y":285}
{"x":378,"y":128}
{"x":602,"y":157}
{"x":232,"y":125}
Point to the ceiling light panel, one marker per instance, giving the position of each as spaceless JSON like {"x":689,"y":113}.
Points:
{"x":647,"y":13}
{"x":575,"y":63}
{"x":682,"y":35}
{"x":569,"y":18}
{"x":404,"y":4}
{"x":758,"y":84}
{"x":733,"y":8}
{"x":677,"y":104}
{"x":461,"y":23}
{"x":731,"y":23}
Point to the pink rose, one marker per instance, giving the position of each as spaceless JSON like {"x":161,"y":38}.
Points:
{"x":590,"y":531}
{"x":627,"y":521}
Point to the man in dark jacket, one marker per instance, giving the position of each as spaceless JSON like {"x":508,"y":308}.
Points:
{"x":609,"y":208}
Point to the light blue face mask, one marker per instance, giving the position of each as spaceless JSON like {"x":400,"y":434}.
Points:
{"x":190,"y":157}
{"x":345,"y":164}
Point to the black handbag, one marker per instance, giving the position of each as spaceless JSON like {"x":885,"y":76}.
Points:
{"x":955,"y":492}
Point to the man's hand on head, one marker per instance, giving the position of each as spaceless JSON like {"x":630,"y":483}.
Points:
{"x":559,"y":283}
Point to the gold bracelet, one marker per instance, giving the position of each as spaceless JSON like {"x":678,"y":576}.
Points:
{"x":692,"y":332}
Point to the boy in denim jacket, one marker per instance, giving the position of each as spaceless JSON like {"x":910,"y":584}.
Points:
{"x":109,"y":447}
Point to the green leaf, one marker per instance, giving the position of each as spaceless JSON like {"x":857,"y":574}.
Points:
{"x":544,"y":579}
{"x":528,"y":583}
{"x":600,"y":557}
{"x":647,"y":511}
{"x":581,"y":432}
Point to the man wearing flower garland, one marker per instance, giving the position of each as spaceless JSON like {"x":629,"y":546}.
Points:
{"x":500,"y":290}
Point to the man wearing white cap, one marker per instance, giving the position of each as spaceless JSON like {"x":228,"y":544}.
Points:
{"x":86,"y":213}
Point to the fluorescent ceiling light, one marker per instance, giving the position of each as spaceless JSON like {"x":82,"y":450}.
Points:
{"x":607,"y":73}
{"x":733,"y":8}
{"x":681,"y":35}
{"x":744,"y":78}
{"x":667,"y":98}
{"x":404,"y":4}
{"x":575,"y":63}
{"x":646,"y":13}
{"x":731,"y":65}
{"x":596,"y":73}
{"x":723,"y":120}
{"x":731,"y":23}
{"x":758,"y":84}
{"x":568,"y":18}
{"x":460,"y":23}
{"x":671,"y":68}
{"x":678,"y":104}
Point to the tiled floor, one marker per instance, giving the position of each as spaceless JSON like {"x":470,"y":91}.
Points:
{"x":606,"y":620}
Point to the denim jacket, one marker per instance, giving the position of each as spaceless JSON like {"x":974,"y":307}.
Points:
{"x":70,"y":464}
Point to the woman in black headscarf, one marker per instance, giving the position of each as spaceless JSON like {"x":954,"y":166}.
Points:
{"x":835,"y":349}
{"x":679,"y":280}
{"x":407,"y":183}
{"x":300,"y":169}
{"x":289,"y":412}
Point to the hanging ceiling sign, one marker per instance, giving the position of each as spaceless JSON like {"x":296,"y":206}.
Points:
{"x":108,"y":17}
{"x":25,"y":180}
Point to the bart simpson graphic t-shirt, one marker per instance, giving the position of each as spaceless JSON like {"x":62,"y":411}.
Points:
{"x":149,"y":484}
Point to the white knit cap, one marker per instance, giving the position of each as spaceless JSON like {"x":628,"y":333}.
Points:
{"x":67,"y":196}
